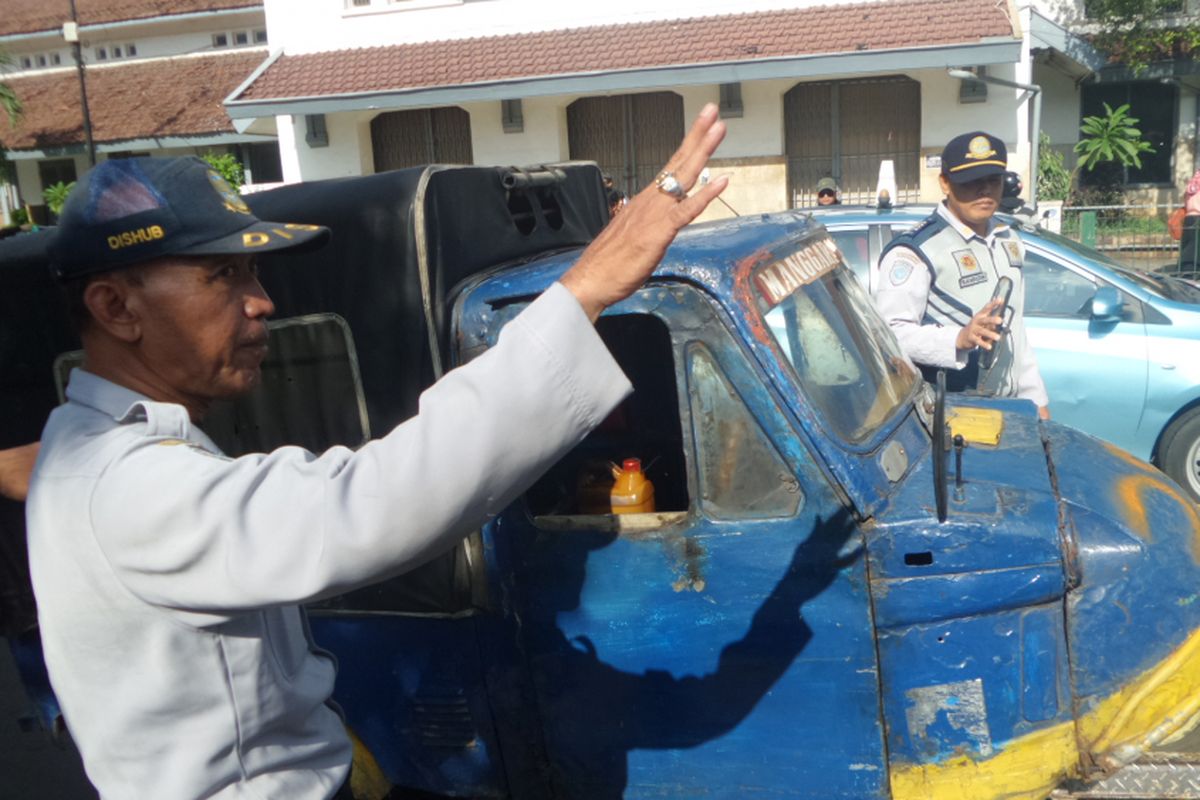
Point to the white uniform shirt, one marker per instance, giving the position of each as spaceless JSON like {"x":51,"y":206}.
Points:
{"x":167,"y":575}
{"x":902,"y":290}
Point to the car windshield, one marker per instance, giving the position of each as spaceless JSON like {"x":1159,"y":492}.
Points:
{"x":845,"y":359}
{"x":1165,"y":286}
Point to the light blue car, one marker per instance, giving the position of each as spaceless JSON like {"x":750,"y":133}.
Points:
{"x":1119,"y":349}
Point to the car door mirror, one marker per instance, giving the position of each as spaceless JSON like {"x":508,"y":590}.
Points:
{"x":1107,"y":305}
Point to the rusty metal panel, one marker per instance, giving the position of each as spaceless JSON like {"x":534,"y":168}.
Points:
{"x":844,"y":129}
{"x":402,"y":139}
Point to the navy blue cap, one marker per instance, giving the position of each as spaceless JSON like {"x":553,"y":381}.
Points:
{"x":130,"y":210}
{"x":974,"y":155}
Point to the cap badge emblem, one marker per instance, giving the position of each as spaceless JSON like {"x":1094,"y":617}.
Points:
{"x":231,"y":199}
{"x":980,"y":148}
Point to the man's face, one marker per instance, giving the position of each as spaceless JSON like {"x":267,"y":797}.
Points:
{"x":203,"y":324}
{"x":826,"y":197}
{"x":974,"y":202}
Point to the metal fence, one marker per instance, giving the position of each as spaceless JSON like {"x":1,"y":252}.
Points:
{"x":1135,"y":235}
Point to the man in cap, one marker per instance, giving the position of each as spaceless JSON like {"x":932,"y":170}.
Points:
{"x":827,"y":192}
{"x":168,"y":576}
{"x":936,"y":284}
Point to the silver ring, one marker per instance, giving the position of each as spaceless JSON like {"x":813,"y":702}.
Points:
{"x":667,"y":184}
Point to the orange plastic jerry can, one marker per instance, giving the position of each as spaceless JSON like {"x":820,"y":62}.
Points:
{"x":632,"y":493}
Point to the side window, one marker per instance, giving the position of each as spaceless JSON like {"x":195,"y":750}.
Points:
{"x":740,"y":473}
{"x":1052,"y":290}
{"x":855,"y":249}
{"x":646,"y":426}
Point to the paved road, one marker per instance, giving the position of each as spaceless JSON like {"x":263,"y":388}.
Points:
{"x":31,"y":766}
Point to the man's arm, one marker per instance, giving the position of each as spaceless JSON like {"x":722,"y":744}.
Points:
{"x":16,"y":465}
{"x":901,"y":296}
{"x":223,"y":536}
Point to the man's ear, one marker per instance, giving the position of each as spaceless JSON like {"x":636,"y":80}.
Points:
{"x":944,"y":182}
{"x":107,"y":300}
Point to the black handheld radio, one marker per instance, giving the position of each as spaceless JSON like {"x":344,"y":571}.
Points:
{"x":1003,"y":291}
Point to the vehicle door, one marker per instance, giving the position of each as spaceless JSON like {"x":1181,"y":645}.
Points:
{"x":720,"y":646}
{"x":1095,"y":370}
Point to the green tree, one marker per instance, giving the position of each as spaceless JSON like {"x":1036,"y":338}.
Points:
{"x":1111,"y":137}
{"x":8,"y":98}
{"x":56,"y":194}
{"x":1054,"y":179}
{"x":228,"y":167}
{"x":1138,"y":32}
{"x":12,"y":108}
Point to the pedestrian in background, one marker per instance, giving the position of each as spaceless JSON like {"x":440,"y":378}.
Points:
{"x":827,"y":192}
{"x":1189,"y":242}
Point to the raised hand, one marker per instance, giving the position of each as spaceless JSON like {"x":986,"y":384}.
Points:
{"x":620,"y":259}
{"x":984,"y":328}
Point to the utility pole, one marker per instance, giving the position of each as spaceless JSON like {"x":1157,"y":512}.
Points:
{"x":71,"y":34}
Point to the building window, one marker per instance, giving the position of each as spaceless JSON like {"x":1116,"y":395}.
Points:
{"x":117,"y":51}
{"x":131,"y":49}
{"x":315,"y":132}
{"x":731,"y":100}
{"x":241,"y":38}
{"x":1155,"y":105}
{"x":844,"y":129}
{"x":101,"y":53}
{"x":628,"y":135}
{"x":402,"y":139}
{"x":220,"y":40}
{"x":41,"y":60}
{"x":55,"y":59}
{"x":512,"y":117}
{"x":260,"y":36}
{"x":26,"y":62}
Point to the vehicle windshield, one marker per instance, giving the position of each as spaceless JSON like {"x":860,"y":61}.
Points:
{"x":845,"y":359}
{"x":1166,"y":286}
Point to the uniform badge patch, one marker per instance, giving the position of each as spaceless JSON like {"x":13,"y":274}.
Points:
{"x":969,"y":272}
{"x":1013,"y":250}
{"x":900,"y":272}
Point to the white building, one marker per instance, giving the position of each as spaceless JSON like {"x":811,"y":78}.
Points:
{"x":350,"y":87}
{"x":357,"y":86}
{"x":154,"y":82}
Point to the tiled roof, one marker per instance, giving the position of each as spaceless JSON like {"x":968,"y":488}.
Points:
{"x":29,"y":16}
{"x":140,"y":99}
{"x":747,"y":37}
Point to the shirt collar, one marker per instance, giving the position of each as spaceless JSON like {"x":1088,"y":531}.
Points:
{"x":123,"y":405}
{"x":994,"y":225}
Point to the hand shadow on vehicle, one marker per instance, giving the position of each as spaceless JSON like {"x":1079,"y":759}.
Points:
{"x":594,"y":713}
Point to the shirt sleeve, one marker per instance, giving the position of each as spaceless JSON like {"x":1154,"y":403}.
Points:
{"x":1029,"y":376}
{"x":210,"y":536}
{"x":901,"y":295}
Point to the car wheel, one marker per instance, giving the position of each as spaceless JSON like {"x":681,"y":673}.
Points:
{"x":1179,"y":453}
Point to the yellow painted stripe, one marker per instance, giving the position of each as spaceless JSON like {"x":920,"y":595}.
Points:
{"x":993,"y":162}
{"x":1161,"y":701}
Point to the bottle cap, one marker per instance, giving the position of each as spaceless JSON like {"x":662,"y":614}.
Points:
{"x":632,"y":465}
